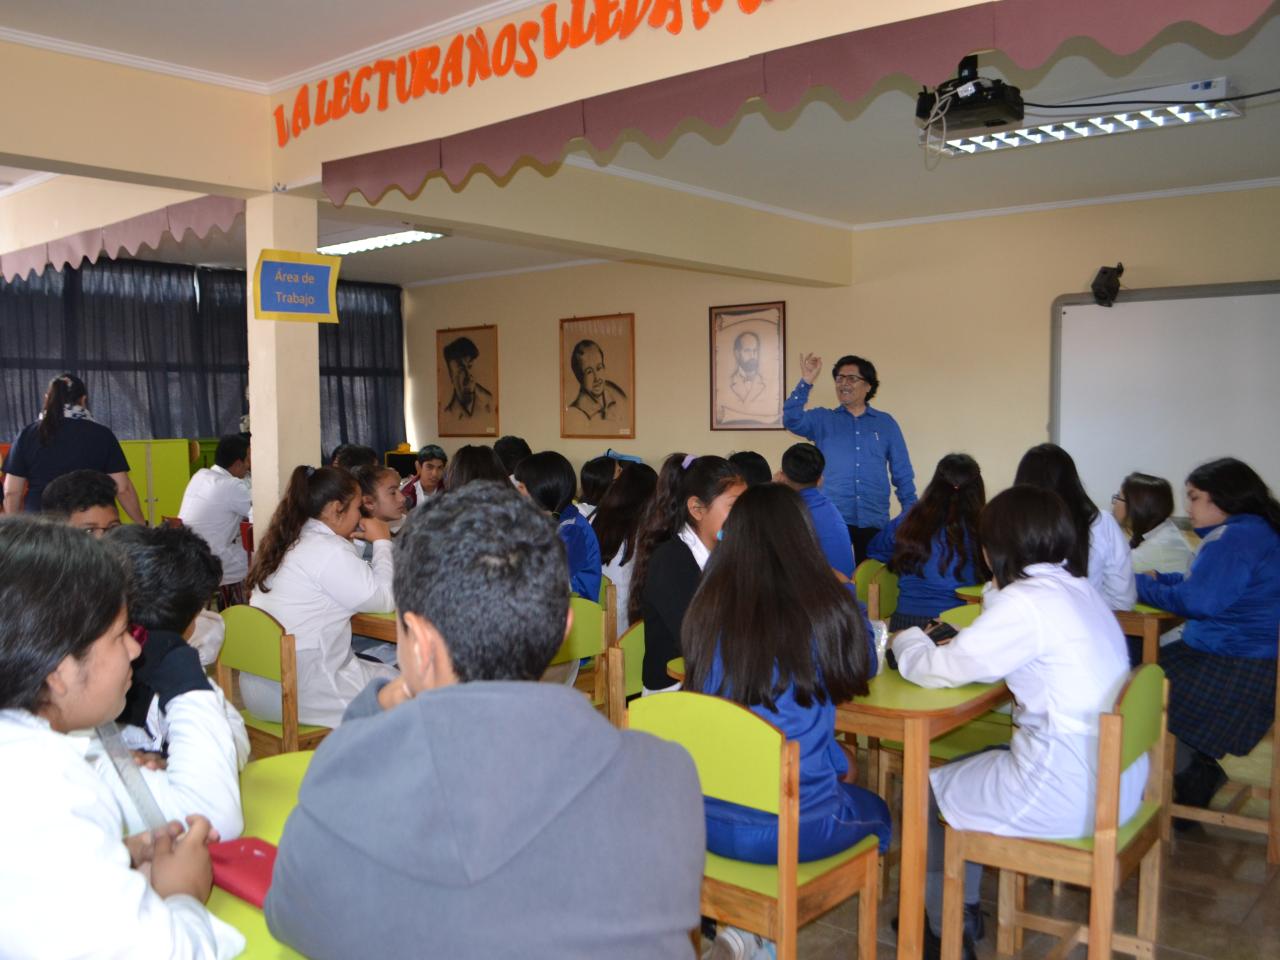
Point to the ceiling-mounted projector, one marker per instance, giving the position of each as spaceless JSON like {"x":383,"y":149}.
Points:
{"x":970,"y":102}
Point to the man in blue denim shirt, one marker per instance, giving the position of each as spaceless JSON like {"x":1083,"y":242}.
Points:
{"x":859,"y":443}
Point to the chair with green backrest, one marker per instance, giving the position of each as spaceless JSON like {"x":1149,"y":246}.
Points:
{"x":255,"y":643}
{"x":884,"y":586}
{"x":743,"y":759}
{"x":1102,"y":861}
{"x":632,"y":644}
{"x":586,"y":640}
{"x":600,"y":679}
{"x":864,"y":576}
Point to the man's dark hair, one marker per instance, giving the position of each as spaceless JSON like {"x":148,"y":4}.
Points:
{"x":866,"y":370}
{"x":59,"y":592}
{"x":803,"y":464}
{"x":232,"y":448}
{"x":172,"y":574}
{"x":596,"y":475}
{"x":1022,"y":526}
{"x":78,"y":490}
{"x":487,"y":568}
{"x":348,"y":456}
{"x":462,"y":348}
{"x":753,"y":467}
{"x":432,"y":452}
{"x":511,"y":450}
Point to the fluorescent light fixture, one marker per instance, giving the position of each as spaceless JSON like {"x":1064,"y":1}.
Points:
{"x":1057,"y":126}
{"x":378,"y":243}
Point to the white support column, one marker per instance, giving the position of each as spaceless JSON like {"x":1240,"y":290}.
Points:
{"x":284,"y":360}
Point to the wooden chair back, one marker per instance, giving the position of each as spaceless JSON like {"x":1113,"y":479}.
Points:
{"x":586,"y":636}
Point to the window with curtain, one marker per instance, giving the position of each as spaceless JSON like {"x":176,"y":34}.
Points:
{"x":163,"y":350}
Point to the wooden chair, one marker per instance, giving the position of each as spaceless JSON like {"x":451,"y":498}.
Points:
{"x":1238,"y":793}
{"x":608,"y":600}
{"x":255,"y":643}
{"x":746,"y":760}
{"x":586,"y":639}
{"x":743,"y":759}
{"x":864,"y":575}
{"x":175,"y":522}
{"x":1101,"y":862}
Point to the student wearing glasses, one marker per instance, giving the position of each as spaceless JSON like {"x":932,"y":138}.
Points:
{"x":863,"y":446}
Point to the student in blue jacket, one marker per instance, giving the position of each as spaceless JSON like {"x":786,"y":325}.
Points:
{"x":802,"y":467}
{"x":863,"y":446}
{"x":934,"y":547}
{"x":547,"y":478}
{"x":1222,"y":674}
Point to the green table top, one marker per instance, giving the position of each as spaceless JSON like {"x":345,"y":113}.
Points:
{"x":889,"y":691}
{"x":269,"y":792}
{"x":972,"y":591}
{"x":1156,"y":611}
{"x":389,"y":615}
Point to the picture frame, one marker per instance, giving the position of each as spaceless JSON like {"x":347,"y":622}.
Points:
{"x":748,"y":349}
{"x":598,"y":377}
{"x":467,"y":382}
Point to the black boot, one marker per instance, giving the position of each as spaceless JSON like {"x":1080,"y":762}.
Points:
{"x":975,"y":927}
{"x":933,"y":945}
{"x":1196,"y":785}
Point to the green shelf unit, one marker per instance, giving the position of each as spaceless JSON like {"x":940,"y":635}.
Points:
{"x":159,"y":470}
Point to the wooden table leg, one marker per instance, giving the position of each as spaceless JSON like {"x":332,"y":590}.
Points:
{"x":915,"y":838}
{"x":1150,"y":640}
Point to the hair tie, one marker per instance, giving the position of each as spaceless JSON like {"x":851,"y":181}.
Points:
{"x":688,"y":460}
{"x":311,"y":471}
{"x":139,"y":634}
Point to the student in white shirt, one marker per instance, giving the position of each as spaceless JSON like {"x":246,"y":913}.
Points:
{"x":380,"y":497}
{"x":1100,"y":553}
{"x":616,"y":520}
{"x":1144,"y":508}
{"x":172,"y":711}
{"x":217,"y":498}
{"x":70,"y":886}
{"x":307,"y":576}
{"x":596,"y":475}
{"x":1052,"y":638}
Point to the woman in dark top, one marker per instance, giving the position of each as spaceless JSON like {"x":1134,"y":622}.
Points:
{"x":772,"y":629}
{"x":64,"y":438}
{"x":676,"y":537}
{"x":933,"y":547}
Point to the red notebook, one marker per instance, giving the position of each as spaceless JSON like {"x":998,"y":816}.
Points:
{"x":243,"y":867}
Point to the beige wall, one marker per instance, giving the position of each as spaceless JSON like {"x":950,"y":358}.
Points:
{"x":955,"y":315}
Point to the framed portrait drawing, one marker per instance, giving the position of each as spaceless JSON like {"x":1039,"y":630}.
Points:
{"x":467,"y":382}
{"x":748,"y":366}
{"x":598,"y":377}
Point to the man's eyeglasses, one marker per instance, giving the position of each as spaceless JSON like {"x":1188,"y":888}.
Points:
{"x":850,"y":378}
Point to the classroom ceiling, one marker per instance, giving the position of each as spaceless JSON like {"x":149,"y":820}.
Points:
{"x":857,"y":165}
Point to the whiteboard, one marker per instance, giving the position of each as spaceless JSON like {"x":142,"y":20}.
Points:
{"x":1165,"y":380}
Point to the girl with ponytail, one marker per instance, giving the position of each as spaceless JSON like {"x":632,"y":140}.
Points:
{"x":307,"y":575}
{"x":934,"y":547}
{"x":673,"y":543}
{"x":64,"y":438}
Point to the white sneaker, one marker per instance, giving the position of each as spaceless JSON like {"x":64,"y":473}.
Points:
{"x":732,"y":943}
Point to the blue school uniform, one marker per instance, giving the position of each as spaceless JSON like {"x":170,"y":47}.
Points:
{"x":833,"y":534}
{"x":932,"y":590}
{"x":582,"y":550}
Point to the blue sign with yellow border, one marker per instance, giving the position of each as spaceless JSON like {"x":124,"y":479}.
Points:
{"x":290,"y":285}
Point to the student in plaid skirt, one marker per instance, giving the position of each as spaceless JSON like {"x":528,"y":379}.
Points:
{"x":1222,"y":675}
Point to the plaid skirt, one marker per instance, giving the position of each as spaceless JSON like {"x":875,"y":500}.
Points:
{"x":900,"y":621}
{"x":1218,"y":705}
{"x":231,"y":594}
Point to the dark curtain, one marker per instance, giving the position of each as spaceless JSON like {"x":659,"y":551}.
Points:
{"x":362,"y":369}
{"x":163,"y":350}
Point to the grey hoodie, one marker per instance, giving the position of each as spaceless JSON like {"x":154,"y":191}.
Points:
{"x":490,"y":820}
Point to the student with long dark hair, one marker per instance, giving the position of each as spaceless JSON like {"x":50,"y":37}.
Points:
{"x":472,"y":462}
{"x":615,"y":522}
{"x":1144,"y":510}
{"x":307,"y":575}
{"x":547,"y":478}
{"x":1101,"y":553}
{"x":772,"y":629}
{"x":673,"y":543}
{"x":1222,"y":674}
{"x":934,"y":547}
{"x":1052,"y":638}
{"x":69,"y":884}
{"x":597,"y":474}
{"x":65,"y":437}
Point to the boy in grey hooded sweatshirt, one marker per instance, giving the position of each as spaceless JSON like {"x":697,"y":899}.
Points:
{"x":464,"y":810}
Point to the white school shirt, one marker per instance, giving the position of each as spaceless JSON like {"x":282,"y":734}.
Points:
{"x":213,"y":505}
{"x":319,"y":585}
{"x":1053,"y":639}
{"x":1163,"y":549}
{"x":207,"y":748}
{"x":620,"y":574}
{"x":66,"y":886}
{"x":1110,"y":570}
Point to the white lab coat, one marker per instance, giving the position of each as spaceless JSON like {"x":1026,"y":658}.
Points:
{"x":319,"y":586}
{"x":620,"y":574}
{"x":213,"y":505}
{"x":207,"y":749}
{"x":1054,"y":641}
{"x":1110,"y":570}
{"x":66,"y":886}
{"x":1163,"y":549}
